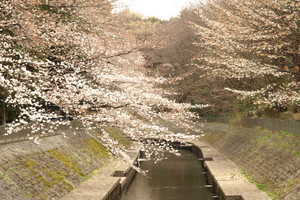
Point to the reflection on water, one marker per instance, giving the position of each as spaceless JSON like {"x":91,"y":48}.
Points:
{"x":177,"y":178}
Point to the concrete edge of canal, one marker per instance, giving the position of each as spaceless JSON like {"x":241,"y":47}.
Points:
{"x":109,"y":182}
{"x":227,"y":178}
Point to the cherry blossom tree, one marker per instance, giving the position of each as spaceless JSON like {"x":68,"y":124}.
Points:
{"x":253,"y":43}
{"x":64,"y":59}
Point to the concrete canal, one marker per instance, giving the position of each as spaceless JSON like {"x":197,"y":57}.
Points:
{"x":175,"y":178}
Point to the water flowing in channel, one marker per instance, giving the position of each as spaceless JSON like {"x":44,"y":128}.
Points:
{"x":175,"y":178}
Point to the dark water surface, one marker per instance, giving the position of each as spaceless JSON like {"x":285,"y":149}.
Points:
{"x":177,"y":178}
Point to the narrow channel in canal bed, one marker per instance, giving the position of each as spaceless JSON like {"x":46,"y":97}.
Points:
{"x":176,"y":178}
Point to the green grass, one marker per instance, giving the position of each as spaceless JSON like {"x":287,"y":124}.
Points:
{"x":260,"y":186}
{"x":263,"y":139}
{"x":260,"y":143}
{"x":285,"y":141}
{"x":287,"y":133}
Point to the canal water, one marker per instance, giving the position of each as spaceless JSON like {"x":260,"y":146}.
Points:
{"x":176,"y":178}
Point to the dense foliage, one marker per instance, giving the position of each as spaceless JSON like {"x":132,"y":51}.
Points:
{"x":241,"y":48}
{"x":70,"y":59}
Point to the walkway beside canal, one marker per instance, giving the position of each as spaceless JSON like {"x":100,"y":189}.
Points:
{"x":231,"y":183}
{"x":104,"y":185}
{"x":99,"y":185}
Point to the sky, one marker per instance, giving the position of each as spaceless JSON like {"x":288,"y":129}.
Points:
{"x":163,"y":9}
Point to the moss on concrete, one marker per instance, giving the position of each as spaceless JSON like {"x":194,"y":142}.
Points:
{"x":58,"y":177}
{"x":118,"y":136}
{"x":96,"y":148}
{"x":115,"y":133}
{"x":51,"y":169}
{"x":5,"y":178}
{"x":67,"y":161}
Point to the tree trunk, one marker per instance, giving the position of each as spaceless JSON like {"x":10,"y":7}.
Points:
{"x":3,"y":114}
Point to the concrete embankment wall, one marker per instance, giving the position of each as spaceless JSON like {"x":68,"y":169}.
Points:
{"x":270,"y":159}
{"x":109,"y":183}
{"x":51,"y":169}
{"x":228,"y":181}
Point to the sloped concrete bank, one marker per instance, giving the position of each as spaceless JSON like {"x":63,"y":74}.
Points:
{"x":51,"y":169}
{"x":269,"y":159}
{"x":79,"y":163}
